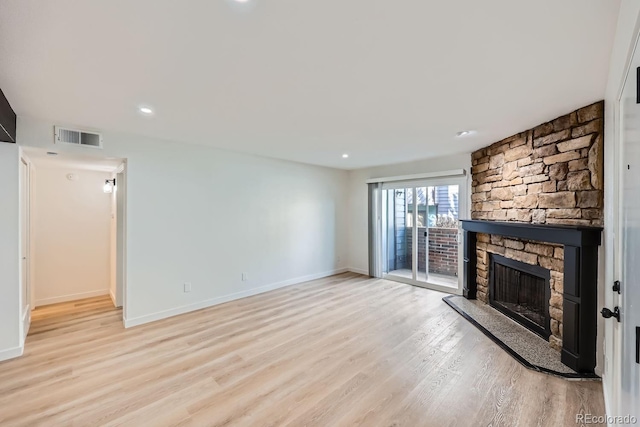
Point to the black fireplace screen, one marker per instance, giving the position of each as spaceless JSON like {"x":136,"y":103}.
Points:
{"x":521,"y":291}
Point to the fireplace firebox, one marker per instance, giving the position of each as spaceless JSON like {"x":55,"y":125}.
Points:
{"x":522,"y":292}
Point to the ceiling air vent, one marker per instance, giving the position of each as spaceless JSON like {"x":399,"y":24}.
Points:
{"x":78,"y":137}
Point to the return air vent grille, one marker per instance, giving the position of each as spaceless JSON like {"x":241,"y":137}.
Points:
{"x":77,"y":137}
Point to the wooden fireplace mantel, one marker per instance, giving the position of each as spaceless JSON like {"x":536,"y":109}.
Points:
{"x":580,"y":279}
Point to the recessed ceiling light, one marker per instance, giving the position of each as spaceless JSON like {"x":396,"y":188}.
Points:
{"x":465,"y":133}
{"x":146,"y":111}
{"x":241,"y":6}
{"x":345,"y":156}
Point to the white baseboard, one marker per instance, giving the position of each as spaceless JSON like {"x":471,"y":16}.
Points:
{"x":113,"y":298}
{"x":11,"y":353}
{"x":358,"y":271}
{"x":26,"y":324}
{"x":128,"y":323}
{"x":71,"y":297}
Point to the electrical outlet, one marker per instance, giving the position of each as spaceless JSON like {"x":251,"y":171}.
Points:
{"x":245,"y":277}
{"x":187,"y":287}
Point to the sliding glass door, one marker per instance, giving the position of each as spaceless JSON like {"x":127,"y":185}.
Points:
{"x":420,"y":233}
{"x":397,"y":232}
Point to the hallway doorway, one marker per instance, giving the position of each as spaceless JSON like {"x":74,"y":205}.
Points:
{"x":74,"y":229}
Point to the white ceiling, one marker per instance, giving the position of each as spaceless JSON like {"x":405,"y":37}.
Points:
{"x":385,"y":81}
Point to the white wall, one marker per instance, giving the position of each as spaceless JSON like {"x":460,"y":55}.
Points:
{"x":10,"y":303}
{"x":358,"y":199}
{"x":71,"y":235}
{"x":626,"y":35}
{"x":204,"y":216}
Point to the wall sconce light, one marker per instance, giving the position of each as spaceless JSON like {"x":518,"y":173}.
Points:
{"x":109,"y":185}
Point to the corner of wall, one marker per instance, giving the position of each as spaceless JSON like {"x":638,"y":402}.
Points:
{"x":10,"y":336}
{"x":11,"y":353}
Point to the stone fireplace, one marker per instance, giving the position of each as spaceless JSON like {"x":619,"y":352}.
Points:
{"x":537,"y":205}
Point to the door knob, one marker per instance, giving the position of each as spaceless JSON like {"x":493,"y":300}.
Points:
{"x":607,"y":314}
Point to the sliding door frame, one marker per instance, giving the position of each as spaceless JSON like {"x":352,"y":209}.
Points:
{"x":463,"y":208}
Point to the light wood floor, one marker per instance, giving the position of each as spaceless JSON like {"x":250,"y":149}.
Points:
{"x":346,"y":350}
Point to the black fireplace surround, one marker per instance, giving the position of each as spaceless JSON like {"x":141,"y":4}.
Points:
{"x":580,"y":279}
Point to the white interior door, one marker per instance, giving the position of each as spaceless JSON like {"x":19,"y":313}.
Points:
{"x":25,"y":213}
{"x":121,"y":194}
{"x":629,"y":299}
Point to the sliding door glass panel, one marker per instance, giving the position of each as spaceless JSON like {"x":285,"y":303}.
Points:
{"x":397,"y":223}
{"x":422,"y":215}
{"x":438,"y":235}
{"x":383,"y":255}
{"x":419,"y":233}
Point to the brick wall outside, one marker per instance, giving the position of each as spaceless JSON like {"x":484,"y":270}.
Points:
{"x":443,"y":250}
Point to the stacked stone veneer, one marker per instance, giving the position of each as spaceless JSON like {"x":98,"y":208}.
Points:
{"x":551,"y":174}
